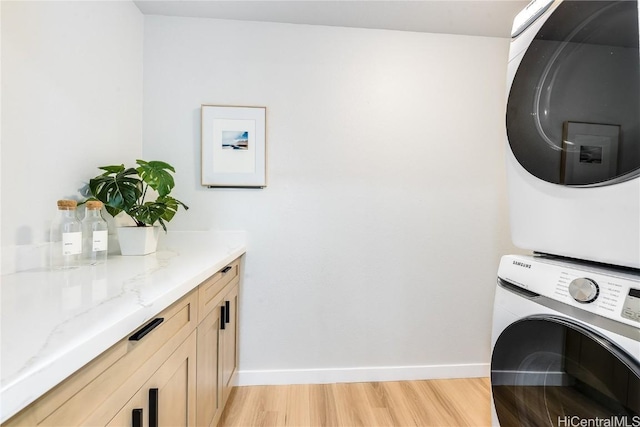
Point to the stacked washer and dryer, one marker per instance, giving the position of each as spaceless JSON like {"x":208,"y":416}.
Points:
{"x":566,"y":328}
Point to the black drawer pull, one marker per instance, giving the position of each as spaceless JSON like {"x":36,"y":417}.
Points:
{"x":146,"y":329}
{"x":223,"y":317}
{"x":227,"y":310}
{"x":226,"y":269}
{"x":153,"y":407}
{"x":136,"y":418}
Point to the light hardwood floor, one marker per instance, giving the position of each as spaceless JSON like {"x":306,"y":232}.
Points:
{"x":455,"y":403}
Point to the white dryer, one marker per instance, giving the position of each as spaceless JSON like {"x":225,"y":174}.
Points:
{"x":573,"y":130}
{"x":565,"y":344}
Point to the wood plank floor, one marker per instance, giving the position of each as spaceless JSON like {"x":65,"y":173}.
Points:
{"x":454,"y":402}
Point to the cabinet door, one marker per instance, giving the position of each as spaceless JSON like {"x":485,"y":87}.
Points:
{"x":168,"y":397}
{"x":207,"y":383}
{"x":229,"y":343}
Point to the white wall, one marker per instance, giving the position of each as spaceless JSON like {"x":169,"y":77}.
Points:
{"x":71,"y":101}
{"x":376,"y":243}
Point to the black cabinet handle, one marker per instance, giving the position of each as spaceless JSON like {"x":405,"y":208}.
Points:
{"x":136,"y":418}
{"x":146,"y":329}
{"x":223,"y":316}
{"x":153,"y":407}
{"x":226,"y":269}
{"x":227,"y":310}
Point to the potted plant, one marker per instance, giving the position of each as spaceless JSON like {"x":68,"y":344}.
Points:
{"x":126,"y":190}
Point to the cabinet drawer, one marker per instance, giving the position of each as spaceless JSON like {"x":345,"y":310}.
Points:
{"x":209,"y":290}
{"x":95,"y":393}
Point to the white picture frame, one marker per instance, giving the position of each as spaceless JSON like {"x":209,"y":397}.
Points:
{"x":233,"y":146}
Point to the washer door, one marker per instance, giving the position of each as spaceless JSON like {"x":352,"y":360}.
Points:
{"x":573,"y":110}
{"x":551,"y":371}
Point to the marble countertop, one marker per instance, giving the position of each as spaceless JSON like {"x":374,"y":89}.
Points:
{"x":54,"y":322}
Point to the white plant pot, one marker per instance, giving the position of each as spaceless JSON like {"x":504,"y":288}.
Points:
{"x":138,"y":240}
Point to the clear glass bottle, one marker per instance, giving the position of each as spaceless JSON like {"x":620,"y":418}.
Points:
{"x":95,"y":234}
{"x":66,"y":237}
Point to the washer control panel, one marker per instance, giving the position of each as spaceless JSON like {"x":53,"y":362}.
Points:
{"x":631,"y":307}
{"x":605,"y":291}
{"x":584,"y":290}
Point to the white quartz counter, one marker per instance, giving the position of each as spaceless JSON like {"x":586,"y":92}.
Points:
{"x":54,"y":322}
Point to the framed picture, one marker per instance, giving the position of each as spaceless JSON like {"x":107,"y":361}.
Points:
{"x":589,"y":153}
{"x":233,"y":146}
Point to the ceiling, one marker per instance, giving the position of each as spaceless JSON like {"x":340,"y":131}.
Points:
{"x":490,"y":18}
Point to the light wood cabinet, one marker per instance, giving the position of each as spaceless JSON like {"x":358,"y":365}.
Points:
{"x":179,"y":373}
{"x":229,"y":344}
{"x":166,"y":399}
{"x":97,"y":392}
{"x":209,"y":408}
{"x":217,"y":344}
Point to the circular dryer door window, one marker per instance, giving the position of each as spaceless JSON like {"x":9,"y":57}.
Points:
{"x":573,"y":111}
{"x":550,"y":371}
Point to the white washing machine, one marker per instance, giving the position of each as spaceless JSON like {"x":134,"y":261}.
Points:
{"x":573,"y":130}
{"x":565,"y":344}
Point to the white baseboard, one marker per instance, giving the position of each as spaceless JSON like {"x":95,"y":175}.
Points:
{"x":367,"y":374}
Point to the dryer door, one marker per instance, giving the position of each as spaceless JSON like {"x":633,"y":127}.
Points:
{"x":551,"y":371}
{"x":573,"y":110}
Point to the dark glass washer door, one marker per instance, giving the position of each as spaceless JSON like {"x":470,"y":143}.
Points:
{"x":550,"y":371}
{"x":573,"y":113}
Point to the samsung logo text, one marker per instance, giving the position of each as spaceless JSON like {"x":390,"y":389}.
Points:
{"x":521,"y":264}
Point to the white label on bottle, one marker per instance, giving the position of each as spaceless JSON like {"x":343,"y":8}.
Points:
{"x":72,"y":243}
{"x":100,"y":240}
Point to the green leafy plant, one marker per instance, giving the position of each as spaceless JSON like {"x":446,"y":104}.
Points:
{"x":125,"y":189}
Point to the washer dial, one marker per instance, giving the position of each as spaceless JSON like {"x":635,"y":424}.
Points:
{"x":584,"y":290}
